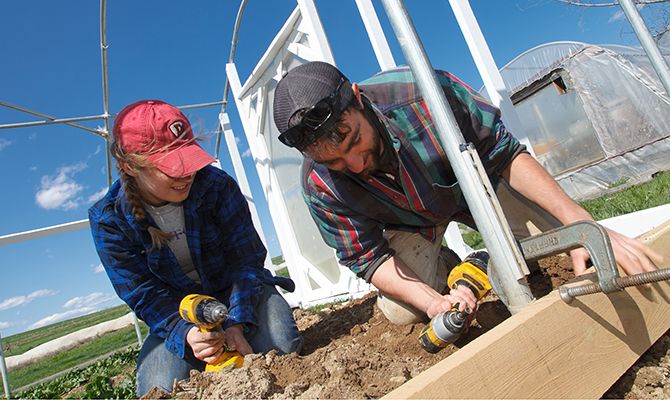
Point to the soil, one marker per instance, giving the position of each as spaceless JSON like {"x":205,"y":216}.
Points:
{"x":351,"y":351}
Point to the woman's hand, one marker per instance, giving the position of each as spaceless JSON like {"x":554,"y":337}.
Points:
{"x":236,"y":341}
{"x":207,"y":346}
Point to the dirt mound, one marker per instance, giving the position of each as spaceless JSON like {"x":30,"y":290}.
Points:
{"x":352,"y":351}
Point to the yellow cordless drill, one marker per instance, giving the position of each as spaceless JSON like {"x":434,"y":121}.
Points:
{"x":447,"y":327}
{"x":207,"y":312}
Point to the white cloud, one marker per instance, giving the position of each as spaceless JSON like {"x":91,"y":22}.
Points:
{"x":97,"y":150}
{"x":23,"y":300}
{"x":98,"y":269}
{"x":98,"y":195}
{"x":60,"y":191}
{"x":617,"y":16}
{"x":32,"y":136}
{"x":247,"y":153}
{"x":32,"y":169}
{"x":61,"y":316}
{"x":620,"y":16}
{"x":7,"y":325}
{"x":4,"y":143}
{"x":91,"y":300}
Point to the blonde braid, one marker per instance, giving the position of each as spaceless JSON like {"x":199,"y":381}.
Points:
{"x":132,"y":192}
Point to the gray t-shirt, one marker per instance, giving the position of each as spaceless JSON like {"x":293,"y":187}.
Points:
{"x":170,"y":218}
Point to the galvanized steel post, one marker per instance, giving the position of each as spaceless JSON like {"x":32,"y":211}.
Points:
{"x":508,"y":263}
{"x":138,"y":331}
{"x":647,"y":42}
{"x":3,"y":369}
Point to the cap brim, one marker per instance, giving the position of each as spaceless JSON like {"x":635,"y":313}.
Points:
{"x":181,"y":162}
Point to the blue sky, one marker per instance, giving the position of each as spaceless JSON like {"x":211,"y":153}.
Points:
{"x":176,"y":51}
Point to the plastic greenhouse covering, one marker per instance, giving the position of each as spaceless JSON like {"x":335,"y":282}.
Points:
{"x":595,"y":115}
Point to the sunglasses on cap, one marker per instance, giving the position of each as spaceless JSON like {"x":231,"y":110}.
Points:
{"x":314,"y":123}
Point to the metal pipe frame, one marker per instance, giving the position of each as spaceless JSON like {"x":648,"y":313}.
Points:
{"x":3,"y":369}
{"x":508,"y":264}
{"x":647,"y":42}
{"x":105,"y":89}
{"x":226,"y":89}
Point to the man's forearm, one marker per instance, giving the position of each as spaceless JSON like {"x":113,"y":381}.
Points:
{"x":528,"y":178}
{"x":397,"y":280}
{"x":531,"y":180}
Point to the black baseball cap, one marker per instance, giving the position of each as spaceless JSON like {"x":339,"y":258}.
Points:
{"x":318,"y":86}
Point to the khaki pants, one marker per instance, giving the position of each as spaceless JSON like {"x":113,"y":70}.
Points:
{"x":432,"y":265}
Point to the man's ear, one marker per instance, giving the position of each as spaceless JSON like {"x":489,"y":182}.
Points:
{"x":357,"y":92}
{"x":127,"y":168}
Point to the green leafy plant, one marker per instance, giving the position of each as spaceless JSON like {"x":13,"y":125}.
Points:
{"x":74,"y":357}
{"x":95,"y":379}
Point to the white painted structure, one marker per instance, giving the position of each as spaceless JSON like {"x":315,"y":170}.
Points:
{"x":311,"y":263}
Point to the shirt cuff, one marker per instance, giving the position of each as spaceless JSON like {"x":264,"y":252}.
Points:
{"x":384,"y":254}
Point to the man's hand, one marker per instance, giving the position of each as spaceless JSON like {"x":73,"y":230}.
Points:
{"x":462,"y":295}
{"x":236,"y":341}
{"x":632,"y":256}
{"x":528,"y":178}
{"x":207,"y":346}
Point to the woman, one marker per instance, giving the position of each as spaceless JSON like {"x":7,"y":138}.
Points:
{"x":173,"y":225}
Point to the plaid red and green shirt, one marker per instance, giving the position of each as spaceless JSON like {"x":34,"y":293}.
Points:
{"x":421,"y":190}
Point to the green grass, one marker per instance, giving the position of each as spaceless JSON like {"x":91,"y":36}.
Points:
{"x":634,"y":198}
{"x":277,"y":260}
{"x":320,"y":307}
{"x":282,"y":272}
{"x":618,"y":183}
{"x":471,"y":237}
{"x":75,"y":356}
{"x":20,"y":343}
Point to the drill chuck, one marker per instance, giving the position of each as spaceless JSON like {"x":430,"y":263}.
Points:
{"x":204,"y":311}
{"x":212,"y":312}
{"x":445,"y":328}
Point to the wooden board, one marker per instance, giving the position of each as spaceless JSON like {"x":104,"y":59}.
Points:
{"x":553,"y":350}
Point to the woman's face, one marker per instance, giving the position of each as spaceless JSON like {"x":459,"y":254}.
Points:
{"x":158,"y":189}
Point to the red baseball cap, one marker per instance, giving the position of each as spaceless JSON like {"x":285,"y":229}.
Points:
{"x":161,"y":133}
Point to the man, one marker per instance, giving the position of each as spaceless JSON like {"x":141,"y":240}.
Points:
{"x":379,"y":185}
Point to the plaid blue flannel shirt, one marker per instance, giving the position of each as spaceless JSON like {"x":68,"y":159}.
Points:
{"x":422,"y":190}
{"x":225,"y":248}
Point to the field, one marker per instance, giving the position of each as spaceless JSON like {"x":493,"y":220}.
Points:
{"x":20,"y":343}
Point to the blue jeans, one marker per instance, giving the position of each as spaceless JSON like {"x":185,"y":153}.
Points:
{"x":157,"y":366}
